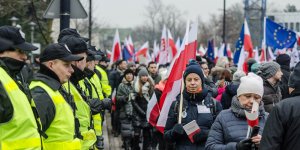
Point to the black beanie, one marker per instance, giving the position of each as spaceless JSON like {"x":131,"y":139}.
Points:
{"x":283,"y":60}
{"x":127,"y":71}
{"x":294,"y":80}
{"x":194,"y":68}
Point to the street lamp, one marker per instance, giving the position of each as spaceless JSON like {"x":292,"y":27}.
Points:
{"x":14,"y":20}
{"x":32,"y":25}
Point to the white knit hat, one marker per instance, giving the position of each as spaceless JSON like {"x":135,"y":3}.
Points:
{"x":251,"y":83}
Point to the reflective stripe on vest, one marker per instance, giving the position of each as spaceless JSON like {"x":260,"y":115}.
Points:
{"x":97,"y":117}
{"x":96,"y":81}
{"x":61,"y":130}
{"x":21,"y":131}
{"x":106,"y":88}
{"x":83,"y":113}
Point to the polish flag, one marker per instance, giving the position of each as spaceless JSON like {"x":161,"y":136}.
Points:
{"x":244,"y":48}
{"x":108,"y":53}
{"x":171,"y":44}
{"x":116,"y":49}
{"x":252,"y":117}
{"x":177,"y":43}
{"x":155,"y":51}
{"x":142,"y":51}
{"x":130,"y":43}
{"x":221,"y":51}
{"x":201,"y":51}
{"x":163,"y":53}
{"x":256,"y":55}
{"x":172,"y":88}
{"x":153,"y":108}
{"x":247,"y":40}
{"x":228,"y":50}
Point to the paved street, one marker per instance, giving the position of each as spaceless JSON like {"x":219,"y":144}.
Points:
{"x":110,"y":143}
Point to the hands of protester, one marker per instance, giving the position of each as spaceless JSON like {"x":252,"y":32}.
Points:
{"x":178,"y":129}
{"x":244,"y":144}
{"x":222,"y":83}
{"x":256,"y":139}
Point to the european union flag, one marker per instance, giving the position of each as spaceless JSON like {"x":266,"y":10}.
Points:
{"x":210,"y":53}
{"x":278,"y":36}
{"x":126,"y":54}
{"x":238,"y":46}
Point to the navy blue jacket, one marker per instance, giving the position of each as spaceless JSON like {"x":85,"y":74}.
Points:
{"x":228,"y":129}
{"x":204,"y":120}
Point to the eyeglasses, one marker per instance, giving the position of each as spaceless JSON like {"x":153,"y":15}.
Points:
{"x":205,"y":68}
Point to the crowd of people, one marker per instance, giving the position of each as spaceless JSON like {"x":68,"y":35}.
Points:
{"x":62,"y":105}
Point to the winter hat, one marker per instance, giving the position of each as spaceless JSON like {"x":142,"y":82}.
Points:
{"x":127,"y":71}
{"x":143,"y":72}
{"x":268,"y":69}
{"x":222,"y":62}
{"x":194,"y":68}
{"x":255,"y":67}
{"x":130,"y":64}
{"x":283,"y":59}
{"x":237,"y":75}
{"x":251,"y":83}
{"x":294,"y":80}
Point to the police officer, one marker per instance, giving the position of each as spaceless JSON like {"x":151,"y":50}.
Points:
{"x":79,"y":47}
{"x":101,"y":71}
{"x":18,"y":126}
{"x":52,"y":101}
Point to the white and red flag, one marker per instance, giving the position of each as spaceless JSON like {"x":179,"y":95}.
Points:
{"x":172,"y":45}
{"x":142,"y":51}
{"x":163,"y":53}
{"x":116,"y":49}
{"x":173,"y":85}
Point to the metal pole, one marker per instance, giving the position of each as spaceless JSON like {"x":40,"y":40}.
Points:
{"x":224,"y":21}
{"x":90,"y":23}
{"x":64,"y":14}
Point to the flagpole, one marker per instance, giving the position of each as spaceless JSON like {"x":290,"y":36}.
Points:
{"x":265,"y":40}
{"x":181,"y":100}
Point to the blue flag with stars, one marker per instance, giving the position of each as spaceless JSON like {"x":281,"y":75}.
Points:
{"x":238,"y":46}
{"x":278,"y":36}
{"x":210,"y":50}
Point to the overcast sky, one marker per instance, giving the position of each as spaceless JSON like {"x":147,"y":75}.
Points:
{"x":131,"y":13}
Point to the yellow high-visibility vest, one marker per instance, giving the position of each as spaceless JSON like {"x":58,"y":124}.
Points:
{"x":83,"y":113}
{"x":21,"y":132}
{"x":62,"y":129}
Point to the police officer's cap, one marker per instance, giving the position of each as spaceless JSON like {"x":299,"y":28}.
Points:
{"x":13,"y":35}
{"x":58,"y":51}
{"x":70,"y":31}
{"x":75,"y":44}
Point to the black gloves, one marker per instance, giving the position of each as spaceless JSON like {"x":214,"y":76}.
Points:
{"x":178,"y":130}
{"x":201,"y":136}
{"x":106,"y":103}
{"x":244,"y":144}
{"x":95,"y":105}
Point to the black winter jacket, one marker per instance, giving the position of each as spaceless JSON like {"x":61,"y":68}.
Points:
{"x":284,"y":81}
{"x":204,"y":120}
{"x":282,"y":127}
{"x":115,"y":78}
{"x":272,"y":95}
{"x":230,"y":91}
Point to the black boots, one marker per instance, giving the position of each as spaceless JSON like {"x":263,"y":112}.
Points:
{"x":99,"y":143}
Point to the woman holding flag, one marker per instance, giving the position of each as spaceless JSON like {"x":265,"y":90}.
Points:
{"x":197,"y":110}
{"x":234,"y":128}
